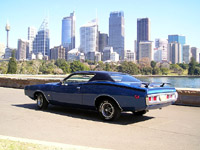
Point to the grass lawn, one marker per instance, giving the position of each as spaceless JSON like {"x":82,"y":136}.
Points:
{"x":16,"y":145}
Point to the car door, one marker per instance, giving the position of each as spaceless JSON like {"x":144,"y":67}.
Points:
{"x":69,"y":91}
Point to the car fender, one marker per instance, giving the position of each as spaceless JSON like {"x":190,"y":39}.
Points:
{"x":109,"y":96}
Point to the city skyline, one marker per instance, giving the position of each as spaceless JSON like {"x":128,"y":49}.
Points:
{"x":163,"y":15}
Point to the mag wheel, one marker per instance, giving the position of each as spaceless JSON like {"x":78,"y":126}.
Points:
{"x":41,"y":101}
{"x":108,"y":110}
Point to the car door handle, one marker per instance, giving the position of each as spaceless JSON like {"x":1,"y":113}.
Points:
{"x":78,"y":88}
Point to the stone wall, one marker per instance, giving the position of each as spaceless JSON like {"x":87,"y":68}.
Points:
{"x":186,"y":96}
{"x":22,"y":82}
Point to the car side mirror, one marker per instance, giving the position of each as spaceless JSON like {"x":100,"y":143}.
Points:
{"x":61,"y":82}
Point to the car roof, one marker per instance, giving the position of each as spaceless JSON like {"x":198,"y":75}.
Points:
{"x":99,"y":75}
{"x":97,"y":72}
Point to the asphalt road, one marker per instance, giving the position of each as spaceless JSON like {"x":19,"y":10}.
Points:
{"x":173,"y":127}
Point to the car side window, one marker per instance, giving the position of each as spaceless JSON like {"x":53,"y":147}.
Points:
{"x":79,"y":78}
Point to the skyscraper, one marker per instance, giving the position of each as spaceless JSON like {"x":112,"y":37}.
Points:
{"x":89,"y":39}
{"x":176,"y":38}
{"x":116,"y":32}
{"x":174,"y":52}
{"x":32,"y":31}
{"x":57,"y":52}
{"x":161,"y":48}
{"x":103,"y":41}
{"x":186,"y":54}
{"x":145,"y":50}
{"x":180,"y":39}
{"x":195,"y":53}
{"x":23,"y":49}
{"x":68,"y":32}
{"x":41,"y":41}
{"x":143,"y":33}
{"x":2,"y":50}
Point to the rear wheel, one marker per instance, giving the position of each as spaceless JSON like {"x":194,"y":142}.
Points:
{"x":108,"y":110}
{"x":41,"y":101}
{"x":140,"y":113}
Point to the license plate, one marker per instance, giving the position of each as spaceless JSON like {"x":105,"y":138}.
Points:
{"x":163,"y":97}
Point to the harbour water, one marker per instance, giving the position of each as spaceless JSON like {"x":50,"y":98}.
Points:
{"x":179,"y":81}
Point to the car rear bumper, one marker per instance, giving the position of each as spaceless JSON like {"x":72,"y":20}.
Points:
{"x":157,"y":106}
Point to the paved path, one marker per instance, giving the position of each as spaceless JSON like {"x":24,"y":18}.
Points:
{"x":173,"y":127}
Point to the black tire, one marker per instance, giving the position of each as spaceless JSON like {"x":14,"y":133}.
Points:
{"x":108,"y":110}
{"x":140,"y":113}
{"x":41,"y":101}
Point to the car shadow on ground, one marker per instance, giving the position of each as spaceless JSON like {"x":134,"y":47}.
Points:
{"x":126,"y":118}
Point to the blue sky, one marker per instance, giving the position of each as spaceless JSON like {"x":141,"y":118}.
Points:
{"x":167,"y":17}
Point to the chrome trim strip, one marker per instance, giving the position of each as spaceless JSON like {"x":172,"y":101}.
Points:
{"x":148,"y":103}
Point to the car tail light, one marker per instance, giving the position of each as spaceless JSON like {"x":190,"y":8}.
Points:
{"x":167,"y":96}
{"x":155,"y":98}
{"x":149,"y":98}
{"x":137,"y":96}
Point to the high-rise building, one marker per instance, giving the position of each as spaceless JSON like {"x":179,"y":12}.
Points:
{"x":2,"y":50}
{"x":116,"y":32}
{"x":179,"y":39}
{"x":106,"y":53}
{"x":176,"y":38}
{"x":68,"y":32}
{"x":157,"y":55}
{"x":89,"y":39}
{"x":103,"y":41}
{"x":22,"y":50}
{"x":143,"y":33}
{"x":174,"y":52}
{"x":114,"y":57}
{"x":32,"y":31}
{"x":186,"y":54}
{"x":57,"y":52}
{"x":42,"y":41}
{"x":195,"y":53}
{"x":145,"y":50}
{"x":161,"y":48}
{"x":130,"y":55}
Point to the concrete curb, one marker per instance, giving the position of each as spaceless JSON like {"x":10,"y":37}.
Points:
{"x":49,"y":144}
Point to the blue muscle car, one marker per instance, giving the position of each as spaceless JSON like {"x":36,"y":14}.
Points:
{"x":109,"y":93}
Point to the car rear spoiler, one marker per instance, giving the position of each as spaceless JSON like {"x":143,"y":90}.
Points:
{"x":147,"y":84}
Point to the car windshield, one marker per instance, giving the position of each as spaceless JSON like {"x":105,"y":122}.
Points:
{"x":123,"y":78}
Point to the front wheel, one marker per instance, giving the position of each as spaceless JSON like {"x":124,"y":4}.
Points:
{"x":108,"y":110}
{"x":41,"y":101}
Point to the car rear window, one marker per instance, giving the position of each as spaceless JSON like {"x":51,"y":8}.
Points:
{"x":124,"y":78}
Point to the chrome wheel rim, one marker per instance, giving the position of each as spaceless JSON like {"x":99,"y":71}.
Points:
{"x":107,"y":110}
{"x":39,"y":100}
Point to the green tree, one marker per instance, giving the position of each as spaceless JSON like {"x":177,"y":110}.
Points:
{"x":78,"y":66}
{"x":197,"y":71}
{"x":192,"y":65}
{"x":155,"y":70}
{"x":176,"y":68}
{"x":64,"y":65}
{"x":153,"y":64}
{"x":128,"y":67}
{"x":146,"y":70}
{"x":164,"y":71}
{"x":12,"y":65}
{"x":184,"y":66}
{"x":107,"y":68}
